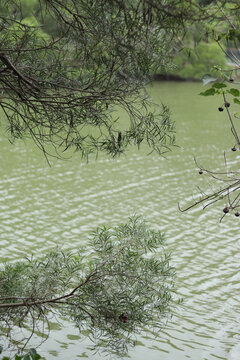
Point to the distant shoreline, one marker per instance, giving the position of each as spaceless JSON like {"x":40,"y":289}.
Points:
{"x":168,"y":77}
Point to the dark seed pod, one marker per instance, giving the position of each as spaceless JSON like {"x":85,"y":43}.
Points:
{"x":234,"y":148}
{"x":123,"y":318}
{"x":226,"y":210}
{"x":227,"y":104}
{"x":237,"y":214}
{"x":220,"y":109}
{"x":231,"y":80}
{"x":200,"y":172}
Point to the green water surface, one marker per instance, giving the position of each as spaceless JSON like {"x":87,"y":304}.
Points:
{"x":42,"y":206}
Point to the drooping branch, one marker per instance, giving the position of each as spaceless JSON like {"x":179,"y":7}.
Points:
{"x":12,"y":68}
{"x":30,"y":302}
{"x":229,"y":191}
{"x":61,"y":84}
{"x":114,"y":295}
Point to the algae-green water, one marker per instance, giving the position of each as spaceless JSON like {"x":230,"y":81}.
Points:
{"x":42,"y":206}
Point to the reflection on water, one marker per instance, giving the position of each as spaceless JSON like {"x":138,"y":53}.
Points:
{"x":42,"y":206}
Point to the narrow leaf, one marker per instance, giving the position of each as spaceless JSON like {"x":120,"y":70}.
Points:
{"x":236,"y":101}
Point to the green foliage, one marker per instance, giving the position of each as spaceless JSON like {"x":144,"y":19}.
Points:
{"x":69,"y":65}
{"x":236,"y":101}
{"x":35,"y":26}
{"x":196,"y":62}
{"x":218,"y":85}
{"x":227,"y":181}
{"x":121,"y":289}
{"x":230,"y":35}
{"x":208,"y":92}
{"x":218,"y":88}
{"x":30,"y":355}
{"x":28,"y":7}
{"x":234,"y":92}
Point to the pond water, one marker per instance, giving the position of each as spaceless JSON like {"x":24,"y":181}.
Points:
{"x":41,"y":206}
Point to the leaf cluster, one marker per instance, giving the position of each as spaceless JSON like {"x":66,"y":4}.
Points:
{"x":30,"y":355}
{"x":67,"y":66}
{"x":228,"y":180}
{"x":60,"y":87}
{"x":121,"y":289}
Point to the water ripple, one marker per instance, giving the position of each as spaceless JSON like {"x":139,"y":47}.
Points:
{"x":41,"y":207}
